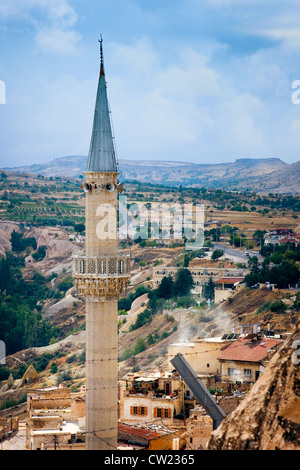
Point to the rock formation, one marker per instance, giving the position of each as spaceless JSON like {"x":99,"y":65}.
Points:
{"x":269,"y":417}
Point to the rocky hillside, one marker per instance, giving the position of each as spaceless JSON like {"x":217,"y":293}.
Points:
{"x":269,"y":417}
{"x":261,"y":174}
{"x":281,"y":181}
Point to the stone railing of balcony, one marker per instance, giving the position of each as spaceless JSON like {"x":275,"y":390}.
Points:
{"x":101,"y":267}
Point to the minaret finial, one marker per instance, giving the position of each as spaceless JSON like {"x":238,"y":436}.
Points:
{"x":101,"y":56}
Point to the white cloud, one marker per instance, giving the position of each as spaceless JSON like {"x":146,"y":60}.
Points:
{"x":61,"y":13}
{"x":54,"y":22}
{"x":54,"y":9}
{"x":140,"y":58}
{"x":57,"y":41}
{"x":213,"y":84}
{"x":191,"y":78}
{"x":185,"y":110}
{"x":295,"y":126}
{"x":60,"y":126}
{"x":295,"y":131}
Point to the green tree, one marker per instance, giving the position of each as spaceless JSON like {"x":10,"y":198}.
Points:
{"x":150,"y":339}
{"x":165,"y":289}
{"x":252,"y":279}
{"x":216,"y":254}
{"x":5,"y":275}
{"x":40,"y":254}
{"x":142,"y":318}
{"x":285,"y":275}
{"x":208,"y":290}
{"x":17,"y":244}
{"x":259,"y":234}
{"x":139,"y":346}
{"x":253,"y":265}
{"x":65,"y":284}
{"x":53,"y":368}
{"x":278,"y":306}
{"x":186,"y":260}
{"x":235,"y":240}
{"x":183,"y":282}
{"x":79,"y":228}
{"x":296,"y":304}
{"x":186,"y":301}
{"x":276,"y":258}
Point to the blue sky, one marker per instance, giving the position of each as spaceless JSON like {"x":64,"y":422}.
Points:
{"x":204,"y":81}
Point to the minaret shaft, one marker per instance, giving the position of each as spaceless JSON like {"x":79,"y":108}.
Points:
{"x":101,"y":215}
{"x":101,"y":375}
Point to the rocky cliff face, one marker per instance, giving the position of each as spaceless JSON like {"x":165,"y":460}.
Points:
{"x":269,"y":417}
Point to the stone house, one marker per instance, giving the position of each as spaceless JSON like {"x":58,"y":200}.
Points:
{"x":199,"y":427}
{"x":150,"y":398}
{"x":202,"y":355}
{"x":149,"y":437}
{"x":55,"y":419}
{"x":245,"y":359}
{"x":226,"y":279}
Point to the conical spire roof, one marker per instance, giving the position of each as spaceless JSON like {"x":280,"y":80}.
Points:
{"x":102,"y":155}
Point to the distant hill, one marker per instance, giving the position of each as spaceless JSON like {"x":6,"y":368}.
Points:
{"x":260,"y":174}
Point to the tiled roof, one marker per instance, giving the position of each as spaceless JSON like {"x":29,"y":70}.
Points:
{"x":137,"y":432}
{"x":290,"y":239}
{"x":230,"y":280}
{"x":248,"y":349}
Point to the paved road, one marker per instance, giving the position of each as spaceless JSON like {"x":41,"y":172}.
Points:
{"x":235,"y":254}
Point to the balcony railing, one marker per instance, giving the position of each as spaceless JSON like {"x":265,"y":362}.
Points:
{"x":101,"y":267}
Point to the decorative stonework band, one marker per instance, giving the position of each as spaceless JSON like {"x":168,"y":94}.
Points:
{"x":102,"y":278}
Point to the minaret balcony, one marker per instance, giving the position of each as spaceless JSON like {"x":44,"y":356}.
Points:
{"x":101,"y":267}
{"x":101,"y":278}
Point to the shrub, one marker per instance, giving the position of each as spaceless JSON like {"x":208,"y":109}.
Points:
{"x":262,"y":308}
{"x":296,"y":304}
{"x":4,"y":373}
{"x":65,"y":284}
{"x":278,"y":306}
{"x":53,"y":368}
{"x":142,"y":318}
{"x":186,"y":301}
{"x":71,"y":358}
{"x":40,"y":253}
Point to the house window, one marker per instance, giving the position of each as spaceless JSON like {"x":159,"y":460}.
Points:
{"x":167,"y":386}
{"x":162,"y":413}
{"x":231,"y":371}
{"x":247,"y":372}
{"x":139,"y":410}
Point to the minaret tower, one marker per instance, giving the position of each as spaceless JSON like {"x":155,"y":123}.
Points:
{"x":101,"y":275}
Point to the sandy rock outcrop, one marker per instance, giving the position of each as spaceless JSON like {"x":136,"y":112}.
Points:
{"x":269,"y":417}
